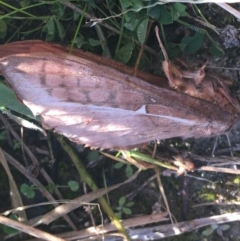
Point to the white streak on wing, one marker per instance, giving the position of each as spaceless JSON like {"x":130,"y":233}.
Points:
{"x":5,"y":62}
{"x":141,"y":110}
{"x":72,"y":107}
{"x":179,"y":120}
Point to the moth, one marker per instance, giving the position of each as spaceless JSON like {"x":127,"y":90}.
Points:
{"x":101,"y":105}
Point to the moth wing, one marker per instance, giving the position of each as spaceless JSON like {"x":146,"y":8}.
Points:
{"x":99,"y":106}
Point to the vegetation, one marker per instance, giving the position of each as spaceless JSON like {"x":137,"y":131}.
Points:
{"x":119,"y":30}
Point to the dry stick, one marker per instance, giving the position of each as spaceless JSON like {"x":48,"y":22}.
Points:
{"x":42,"y":171}
{"x":160,"y":231}
{"x":16,"y":199}
{"x":163,"y":231}
{"x":141,"y":50}
{"x":161,"y":45}
{"x":229,"y":9}
{"x":219,"y":169}
{"x":86,"y":178}
{"x":163,"y":194}
{"x":216,"y":204}
{"x":28,"y":229}
{"x":128,"y":223}
{"x":230,"y":149}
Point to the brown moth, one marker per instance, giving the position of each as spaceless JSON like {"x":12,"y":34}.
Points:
{"x":102,"y":105}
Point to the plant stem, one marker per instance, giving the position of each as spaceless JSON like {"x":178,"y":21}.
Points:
{"x":87,"y":178}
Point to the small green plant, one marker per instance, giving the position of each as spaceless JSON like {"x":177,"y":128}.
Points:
{"x":3,"y":135}
{"x":124,"y":207}
{"x":215,"y":227}
{"x":16,"y":145}
{"x":29,"y":191}
{"x":93,"y":156}
{"x":8,"y":230}
{"x":128,"y":168}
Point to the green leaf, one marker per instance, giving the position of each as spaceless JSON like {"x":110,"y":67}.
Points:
{"x":3,"y":29}
{"x":51,"y":26}
{"x":24,"y":3}
{"x":79,"y":41}
{"x":7,"y":229}
{"x":16,"y":145}
{"x":129,"y":204}
{"x":210,"y":197}
{"x":92,"y":155}
{"x":119,"y":215}
{"x":76,"y":16}
{"x":142,"y":30}
{"x":137,"y":4}
{"x":207,"y":231}
{"x":214,"y":226}
{"x":132,"y":24}
{"x":127,"y":210}
{"x":154,"y":12}
{"x":27,"y":190}
{"x":94,"y":42}
{"x":224,"y":227}
{"x":91,"y":3}
{"x":58,"y":9}
{"x":51,"y":186}
{"x":74,"y":186}
{"x":9,"y":100}
{"x":118,"y":165}
{"x":125,"y":4}
{"x":236,"y":180}
{"x":129,"y":171}
{"x":121,"y":201}
{"x":125,"y":53}
{"x":216,"y":50}
{"x":165,"y":17}
{"x":193,"y":43}
{"x":177,"y":10}
{"x":49,"y":29}
{"x":24,"y":188}
{"x":60,"y":28}
{"x":3,"y":135}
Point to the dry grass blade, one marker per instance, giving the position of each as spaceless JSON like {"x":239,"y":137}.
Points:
{"x":229,"y":9}
{"x":169,"y":230}
{"x":225,"y":203}
{"x":219,"y":169}
{"x":44,"y":191}
{"x":15,"y":195}
{"x":163,"y":194}
{"x":128,"y":223}
{"x":28,"y":229}
{"x":157,"y":232}
{"x":77,"y":202}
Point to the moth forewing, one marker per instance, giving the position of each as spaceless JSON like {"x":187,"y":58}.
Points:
{"x":99,"y":106}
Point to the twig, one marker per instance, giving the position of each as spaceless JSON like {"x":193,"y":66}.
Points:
{"x":229,"y":149}
{"x":163,"y":194}
{"x":219,"y":169}
{"x":141,"y":49}
{"x":229,"y":9}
